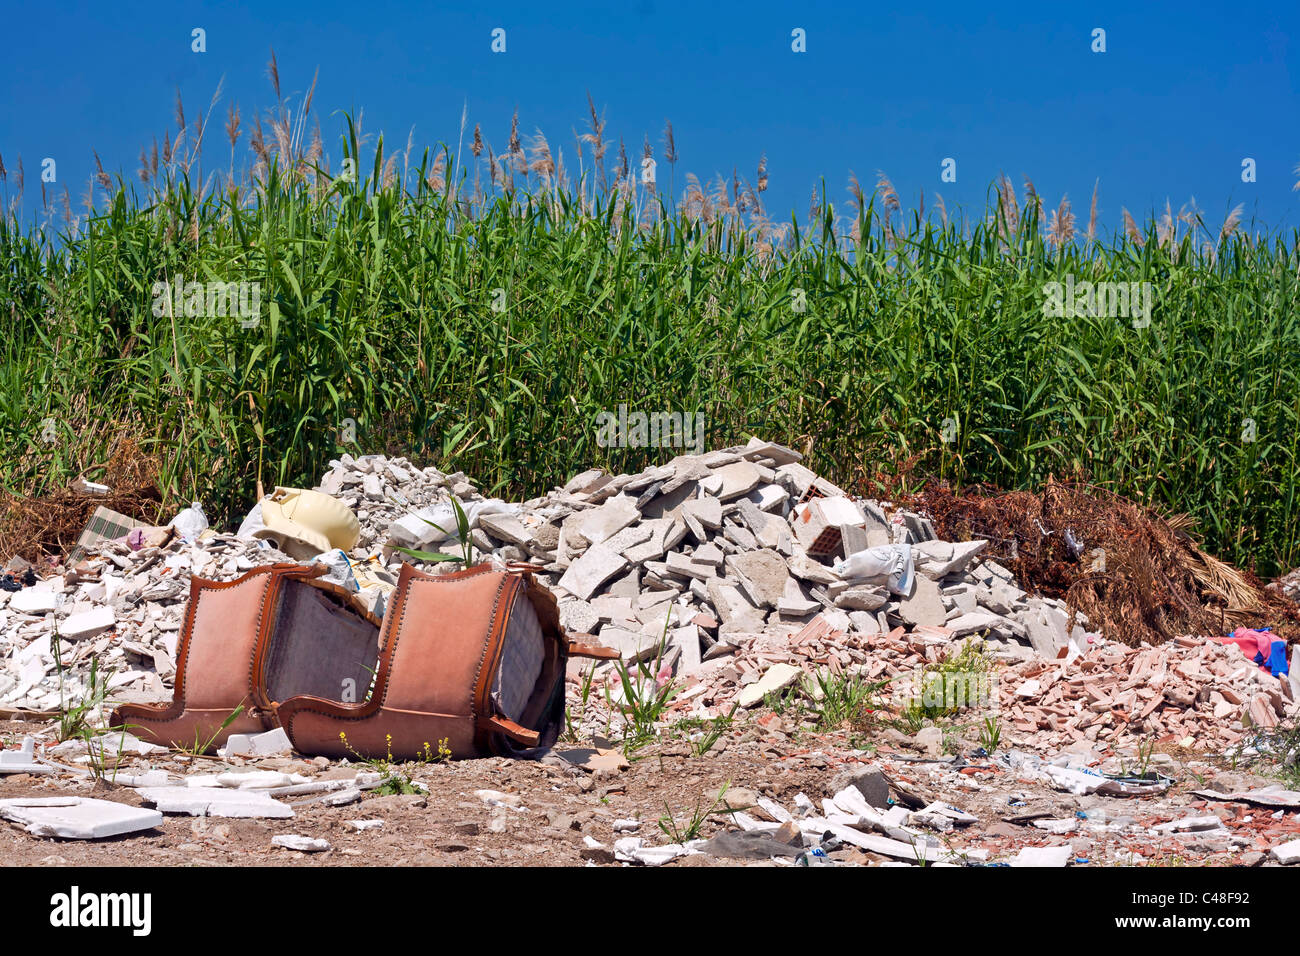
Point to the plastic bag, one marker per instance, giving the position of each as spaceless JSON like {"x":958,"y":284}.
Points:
{"x":190,"y":523}
{"x":890,"y":561}
{"x":252,"y":522}
{"x":340,"y":568}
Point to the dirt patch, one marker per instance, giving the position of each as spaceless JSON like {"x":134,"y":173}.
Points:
{"x":557,"y":809}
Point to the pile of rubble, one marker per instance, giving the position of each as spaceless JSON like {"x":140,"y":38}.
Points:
{"x":735,"y":545}
{"x":737,"y":571}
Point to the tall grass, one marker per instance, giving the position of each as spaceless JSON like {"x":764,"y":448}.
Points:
{"x":378,"y":299}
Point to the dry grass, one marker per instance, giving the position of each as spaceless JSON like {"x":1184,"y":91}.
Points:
{"x":1156,"y":582}
{"x":48,"y":526}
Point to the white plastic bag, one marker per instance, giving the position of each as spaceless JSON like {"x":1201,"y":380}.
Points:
{"x":893,"y":562}
{"x":340,"y":568}
{"x":190,"y":523}
{"x":252,"y":523}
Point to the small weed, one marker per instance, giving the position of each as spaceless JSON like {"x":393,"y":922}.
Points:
{"x":716,"y":728}
{"x":572,"y":729}
{"x":393,"y":782}
{"x":949,"y":686}
{"x":427,"y":755}
{"x":842,"y":699}
{"x":645,"y":697}
{"x":74,"y":719}
{"x":991,"y":734}
{"x":466,"y":557}
{"x":668,"y":823}
{"x":201,"y":746}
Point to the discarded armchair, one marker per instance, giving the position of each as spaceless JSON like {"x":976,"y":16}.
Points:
{"x":473,"y":662}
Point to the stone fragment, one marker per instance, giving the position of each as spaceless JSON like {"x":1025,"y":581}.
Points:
{"x":77,"y":818}
{"x":738,"y":480}
{"x":274,"y":741}
{"x":303,"y":844}
{"x":707,"y":511}
{"x":777,"y":678}
{"x":756,"y":449}
{"x":1286,"y":853}
{"x":596,"y":566}
{"x":862,"y":598}
{"x":506,"y":527}
{"x":925,"y":605}
{"x":35,"y":600}
{"x":215,"y":802}
{"x":87,"y":624}
{"x":762,"y":576}
{"x":1053,"y":856}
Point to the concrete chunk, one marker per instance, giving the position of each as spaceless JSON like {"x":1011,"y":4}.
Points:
{"x":1287,"y":853}
{"x":762,"y":576}
{"x":35,"y":600}
{"x":756,"y":448}
{"x":964,"y":624}
{"x":506,"y":527}
{"x":303,"y":844}
{"x":88,"y":623}
{"x":925,"y":606}
{"x":775,"y":679}
{"x":259,"y":745}
{"x":862,"y":597}
{"x":1054,"y":856}
{"x":738,"y":479}
{"x":808,"y":569}
{"x":215,"y":802}
{"x":707,"y":511}
{"x":596,"y":566}
{"x":77,"y":818}
{"x":600,"y":524}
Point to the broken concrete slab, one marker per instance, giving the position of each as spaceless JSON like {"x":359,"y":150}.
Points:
{"x":599,"y":524}
{"x":1051,"y":856}
{"x":974,"y":623}
{"x":303,"y":844}
{"x":707,"y":511}
{"x":215,"y":802}
{"x":77,"y":818}
{"x":596,"y":566}
{"x":756,"y":449}
{"x":90,"y":623}
{"x":738,"y":479}
{"x":811,"y":570}
{"x":776,"y":679}
{"x":762,"y":576}
{"x":1286,"y":853}
{"x":862,"y":597}
{"x":22,"y":760}
{"x":259,"y":745}
{"x":925,"y":605}
{"x":36,"y":600}
{"x":506,"y":527}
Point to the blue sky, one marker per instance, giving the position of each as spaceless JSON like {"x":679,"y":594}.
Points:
{"x":1182,"y":94}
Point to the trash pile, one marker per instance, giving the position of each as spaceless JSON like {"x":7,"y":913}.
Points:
{"x":732,"y":578}
{"x":736,"y":572}
{"x":736,"y":548}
